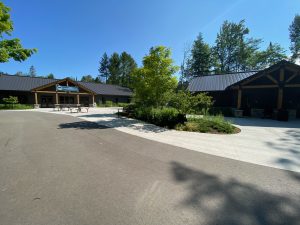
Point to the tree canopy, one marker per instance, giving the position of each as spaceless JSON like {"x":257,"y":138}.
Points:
{"x":154,"y":83}
{"x":10,"y":48}
{"x":295,"y":38}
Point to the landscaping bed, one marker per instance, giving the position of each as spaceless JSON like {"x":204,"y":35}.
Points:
{"x":170,"y":118}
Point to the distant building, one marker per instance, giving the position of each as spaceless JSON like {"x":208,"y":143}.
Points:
{"x":255,"y":93}
{"x":44,"y":92}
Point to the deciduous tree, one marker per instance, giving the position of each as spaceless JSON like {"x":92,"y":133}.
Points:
{"x":154,"y":83}
{"x":10,"y":48}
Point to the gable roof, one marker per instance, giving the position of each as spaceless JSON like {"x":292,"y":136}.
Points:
{"x":218,"y":82}
{"x":24,"y":83}
{"x":223,"y":81}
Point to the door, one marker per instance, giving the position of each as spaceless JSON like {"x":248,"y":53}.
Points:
{"x":46,"y":101}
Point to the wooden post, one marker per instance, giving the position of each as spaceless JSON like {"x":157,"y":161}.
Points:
{"x":78,"y":100}
{"x":239,"y":101}
{"x":280,"y":89}
{"x":93,"y":99}
{"x":280,"y":98}
{"x":56,"y":98}
{"x":35,"y":98}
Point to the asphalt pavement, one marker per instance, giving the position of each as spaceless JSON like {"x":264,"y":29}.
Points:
{"x":61,"y":170}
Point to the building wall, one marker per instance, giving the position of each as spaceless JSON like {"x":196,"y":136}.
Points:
{"x":101,"y":99}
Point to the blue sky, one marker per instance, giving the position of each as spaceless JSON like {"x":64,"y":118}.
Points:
{"x":72,"y":35}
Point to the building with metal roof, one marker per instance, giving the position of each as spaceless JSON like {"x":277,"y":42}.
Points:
{"x":255,"y":93}
{"x":44,"y":92}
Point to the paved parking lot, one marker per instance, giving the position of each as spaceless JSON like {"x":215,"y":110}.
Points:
{"x":61,"y":170}
{"x":263,"y":142}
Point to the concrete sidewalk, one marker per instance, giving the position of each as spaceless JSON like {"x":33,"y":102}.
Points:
{"x":263,"y":142}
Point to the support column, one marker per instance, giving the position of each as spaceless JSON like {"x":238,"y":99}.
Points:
{"x":280,"y":89}
{"x":36,"y":104}
{"x":78,"y":99}
{"x":280,"y":98}
{"x":93,"y":101}
{"x":239,"y":100}
{"x":56,"y":99}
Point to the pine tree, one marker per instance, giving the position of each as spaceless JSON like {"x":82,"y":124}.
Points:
{"x":104,"y":68}
{"x":295,"y":38}
{"x":114,"y":69}
{"x":127,"y":66}
{"x":201,"y":60}
{"x":32,"y":71}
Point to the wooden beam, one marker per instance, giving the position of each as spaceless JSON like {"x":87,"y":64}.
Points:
{"x":292,"y":85}
{"x":252,"y":79}
{"x":239,"y":100}
{"x":35,"y":98}
{"x":272,"y":79}
{"x":292,"y":77}
{"x":260,"y":86}
{"x":279,"y":98}
{"x":72,"y":93}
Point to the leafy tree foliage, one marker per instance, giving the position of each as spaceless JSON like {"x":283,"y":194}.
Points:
{"x":10,"y":48}
{"x":262,"y":59}
{"x":154,"y":83}
{"x":89,"y":78}
{"x":295,"y":38}
{"x":233,"y":48}
{"x":50,"y":76}
{"x":201,"y":58}
{"x":104,"y":67}
{"x":32,"y":71}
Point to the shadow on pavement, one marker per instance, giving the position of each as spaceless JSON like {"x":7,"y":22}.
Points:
{"x":232,"y":202}
{"x":257,"y":122}
{"x":111,"y":121}
{"x":288,"y":145}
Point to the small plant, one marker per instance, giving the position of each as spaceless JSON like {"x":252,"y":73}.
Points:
{"x":12,"y":100}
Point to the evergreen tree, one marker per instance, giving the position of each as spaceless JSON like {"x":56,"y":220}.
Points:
{"x":32,"y":71}
{"x":201,"y":59}
{"x":104,"y":68}
{"x":114,"y":69}
{"x":295,"y":38}
{"x":127,"y":66}
{"x":87,"y":78}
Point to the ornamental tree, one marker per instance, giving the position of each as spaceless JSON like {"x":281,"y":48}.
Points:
{"x":10,"y":48}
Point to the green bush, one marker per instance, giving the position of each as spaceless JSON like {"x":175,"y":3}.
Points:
{"x":112,"y":104}
{"x":15,"y":106}
{"x":208,"y":124}
{"x":165,"y":117}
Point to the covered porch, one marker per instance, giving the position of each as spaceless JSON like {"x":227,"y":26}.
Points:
{"x":64,"y":92}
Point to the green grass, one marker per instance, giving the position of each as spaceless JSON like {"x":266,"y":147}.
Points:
{"x":15,"y":106}
{"x":208,"y":124}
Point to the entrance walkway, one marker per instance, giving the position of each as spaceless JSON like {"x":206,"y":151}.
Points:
{"x":264,"y":142}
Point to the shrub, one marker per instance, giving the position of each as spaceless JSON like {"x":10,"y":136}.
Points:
{"x":201,"y":103}
{"x":165,"y":117}
{"x":211,"y":124}
{"x":15,"y":106}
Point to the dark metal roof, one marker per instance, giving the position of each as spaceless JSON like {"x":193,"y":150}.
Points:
{"x":217,"y":82}
{"x":107,"y":89}
{"x":24,"y":83}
